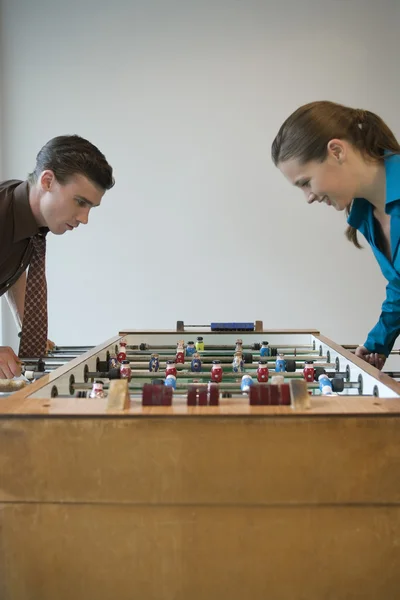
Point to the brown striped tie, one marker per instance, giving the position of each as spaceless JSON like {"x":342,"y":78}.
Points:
{"x":34,"y":324}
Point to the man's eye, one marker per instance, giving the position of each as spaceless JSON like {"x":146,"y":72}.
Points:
{"x":305,"y":184}
{"x":81,"y":202}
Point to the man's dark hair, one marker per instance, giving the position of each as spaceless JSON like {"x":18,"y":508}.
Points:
{"x":68,"y":155}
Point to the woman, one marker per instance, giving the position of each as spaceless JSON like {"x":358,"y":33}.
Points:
{"x":350,"y":159}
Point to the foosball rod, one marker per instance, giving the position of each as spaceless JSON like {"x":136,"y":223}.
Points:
{"x":217,"y":354}
{"x":73,"y":349}
{"x":207,"y":365}
{"x":206,"y":370}
{"x":353,"y":347}
{"x":392,"y":374}
{"x":153,"y":375}
{"x":144,"y":347}
{"x":59,"y":360}
{"x":49,"y":365}
{"x":227,"y":359}
{"x":202,"y":374}
{"x":58,"y":354}
{"x":222,"y":387}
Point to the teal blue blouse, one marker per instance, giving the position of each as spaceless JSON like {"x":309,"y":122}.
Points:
{"x":383,"y":336}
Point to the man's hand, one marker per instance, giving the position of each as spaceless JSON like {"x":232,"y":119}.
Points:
{"x":10,"y":365}
{"x":50,"y":346}
{"x":373,"y":358}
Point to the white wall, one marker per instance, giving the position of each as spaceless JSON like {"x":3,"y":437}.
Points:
{"x":184,"y":98}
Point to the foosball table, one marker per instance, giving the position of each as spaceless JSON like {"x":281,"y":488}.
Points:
{"x":218,"y":461}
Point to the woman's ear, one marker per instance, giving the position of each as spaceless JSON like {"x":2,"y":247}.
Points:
{"x":337,"y":150}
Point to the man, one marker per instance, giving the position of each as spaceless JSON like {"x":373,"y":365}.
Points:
{"x":70,"y":177}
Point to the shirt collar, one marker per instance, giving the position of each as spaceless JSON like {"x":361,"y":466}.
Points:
{"x":25,"y":225}
{"x":361,"y":208}
{"x":358,"y":212}
{"x":392,"y":166}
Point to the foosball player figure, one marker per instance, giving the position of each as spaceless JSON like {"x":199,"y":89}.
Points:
{"x":113,"y":363}
{"x":170,"y":381}
{"x":154,"y":363}
{"x":280,"y":364}
{"x":180,"y":353}
{"x":325,"y":385}
{"x":121,"y":352}
{"x":239,"y":345}
{"x":170,"y":368}
{"x":246,"y":383}
{"x":238,"y":364}
{"x":216,"y":371}
{"x":195,"y":365}
{"x":309,"y":370}
{"x":97,"y":390}
{"x":262,"y":371}
{"x":190,"y":349}
{"x":125,"y":370}
{"x":199,"y":344}
{"x":265,"y":349}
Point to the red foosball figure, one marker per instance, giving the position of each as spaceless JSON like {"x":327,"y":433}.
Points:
{"x":180,"y":353}
{"x":97,"y":390}
{"x":309,"y":370}
{"x":262,"y":371}
{"x":125,"y":370}
{"x":170,"y":369}
{"x":216,"y":371}
{"x":121,"y":353}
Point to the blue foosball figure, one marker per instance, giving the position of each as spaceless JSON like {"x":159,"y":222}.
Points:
{"x":113,"y":363}
{"x":325,"y":384}
{"x":195,"y":365}
{"x":154,"y":363}
{"x":280,"y":364}
{"x":190,"y":349}
{"x":170,"y":381}
{"x":238,"y":363}
{"x":246,"y":383}
{"x":265,"y":349}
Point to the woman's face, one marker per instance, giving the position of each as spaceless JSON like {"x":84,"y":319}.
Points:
{"x":332,"y":181}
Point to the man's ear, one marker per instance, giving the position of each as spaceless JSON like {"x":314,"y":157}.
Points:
{"x":46,"y":180}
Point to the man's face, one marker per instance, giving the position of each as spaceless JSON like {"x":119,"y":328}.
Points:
{"x":65,"y":206}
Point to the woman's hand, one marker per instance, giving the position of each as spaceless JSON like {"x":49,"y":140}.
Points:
{"x":373,"y":358}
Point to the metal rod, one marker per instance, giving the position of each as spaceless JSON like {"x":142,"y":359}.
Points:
{"x":223,"y":387}
{"x":228,"y":347}
{"x":204,"y":357}
{"x":191,"y":375}
{"x":76,"y":349}
{"x":48,"y":359}
{"x":226,"y":367}
{"x":353,"y":347}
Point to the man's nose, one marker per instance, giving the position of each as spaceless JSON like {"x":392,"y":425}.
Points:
{"x":83,"y":217}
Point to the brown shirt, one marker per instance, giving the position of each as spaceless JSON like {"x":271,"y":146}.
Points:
{"x":17,"y":226}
